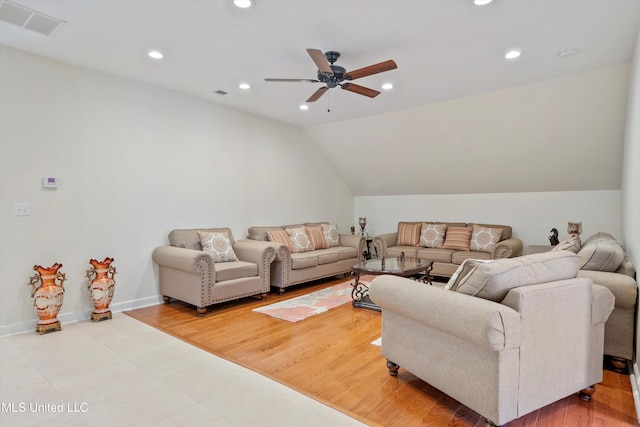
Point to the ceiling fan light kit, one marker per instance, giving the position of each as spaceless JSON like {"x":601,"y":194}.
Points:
{"x":333,"y":75}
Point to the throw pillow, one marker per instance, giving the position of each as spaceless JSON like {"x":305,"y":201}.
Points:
{"x":494,"y":279}
{"x":279,"y":236}
{"x":467,"y":267}
{"x":299,"y":240}
{"x":331,"y":235}
{"x":218,"y":245}
{"x":408,"y":234}
{"x":484,"y":239}
{"x":432,"y":235}
{"x":458,"y":238}
{"x":316,"y":237}
{"x":570,"y":243}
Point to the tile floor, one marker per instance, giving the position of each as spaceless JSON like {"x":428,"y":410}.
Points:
{"x":123,"y":372}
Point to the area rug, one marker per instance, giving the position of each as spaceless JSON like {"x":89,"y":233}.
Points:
{"x":302,"y":307}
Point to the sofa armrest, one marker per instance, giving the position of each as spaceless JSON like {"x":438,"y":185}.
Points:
{"x":383,"y":241}
{"x":508,"y":248}
{"x":354,"y":241}
{"x":187,"y":260}
{"x":623,"y":287}
{"x":260,"y":253}
{"x":485,"y":323}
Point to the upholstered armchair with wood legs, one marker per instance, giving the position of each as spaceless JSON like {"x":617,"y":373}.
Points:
{"x":511,"y":336}
{"x":206,"y":277}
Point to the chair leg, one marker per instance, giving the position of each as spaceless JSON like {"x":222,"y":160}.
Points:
{"x":586,"y":393}
{"x":393,"y":368}
{"x":167,"y":300}
{"x":201,"y":311}
{"x":491,"y":424}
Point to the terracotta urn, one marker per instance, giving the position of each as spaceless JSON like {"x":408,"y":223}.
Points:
{"x":101,"y":287}
{"x":48,"y":296}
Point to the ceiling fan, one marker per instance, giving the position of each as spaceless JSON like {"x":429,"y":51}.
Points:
{"x":334,"y":75}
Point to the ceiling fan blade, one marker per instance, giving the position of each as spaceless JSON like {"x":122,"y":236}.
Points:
{"x":317,"y":94}
{"x":371,"y":69}
{"x":291,"y":80}
{"x":320,"y":60}
{"x":361,"y":90}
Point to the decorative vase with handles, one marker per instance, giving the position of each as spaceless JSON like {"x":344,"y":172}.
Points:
{"x":47,"y":298}
{"x":101,"y":286}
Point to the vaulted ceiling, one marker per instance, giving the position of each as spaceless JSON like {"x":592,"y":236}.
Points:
{"x":444,"y":50}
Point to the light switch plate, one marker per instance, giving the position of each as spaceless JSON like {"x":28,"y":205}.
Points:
{"x":21,"y":209}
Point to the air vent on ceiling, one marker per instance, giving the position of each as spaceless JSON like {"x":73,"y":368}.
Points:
{"x":30,"y":19}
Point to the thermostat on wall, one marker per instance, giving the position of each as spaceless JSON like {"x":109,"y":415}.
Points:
{"x":49,"y":182}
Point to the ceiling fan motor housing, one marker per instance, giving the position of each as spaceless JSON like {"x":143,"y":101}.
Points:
{"x":333,"y":80}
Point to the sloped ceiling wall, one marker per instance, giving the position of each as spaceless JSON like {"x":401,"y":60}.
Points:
{"x":565,"y":134}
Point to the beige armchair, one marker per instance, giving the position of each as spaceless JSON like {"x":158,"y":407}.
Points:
{"x":505,"y":357}
{"x":189,"y":274}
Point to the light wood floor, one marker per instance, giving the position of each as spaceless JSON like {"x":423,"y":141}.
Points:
{"x":330,"y":357}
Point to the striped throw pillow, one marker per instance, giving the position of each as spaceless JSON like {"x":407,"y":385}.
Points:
{"x":279,"y":236}
{"x":458,"y":238}
{"x":408,"y":234}
{"x":316,"y":237}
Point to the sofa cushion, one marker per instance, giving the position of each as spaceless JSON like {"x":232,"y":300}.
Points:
{"x":432,"y":235}
{"x":347,"y":252}
{"x":435,"y":254}
{"x":316,"y":237}
{"x":601,"y":252}
{"x":484,"y":239}
{"x":235,"y":270}
{"x":304,"y":260}
{"x":331,"y":235}
{"x":465,"y":268}
{"x":623,"y":287}
{"x":408,"y":233}
{"x":570,"y":243}
{"x":458,"y":238}
{"x":218,"y":245}
{"x":327,"y":256}
{"x":494,"y":279}
{"x":458,"y":257}
{"x":299,"y":240}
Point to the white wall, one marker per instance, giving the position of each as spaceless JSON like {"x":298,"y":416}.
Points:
{"x":133,"y":162}
{"x":531,"y":215}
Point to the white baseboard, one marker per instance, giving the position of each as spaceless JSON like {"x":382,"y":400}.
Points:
{"x":635,"y":387}
{"x":20,"y":327}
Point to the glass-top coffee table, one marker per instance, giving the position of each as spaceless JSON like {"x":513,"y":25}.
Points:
{"x":415,"y":268}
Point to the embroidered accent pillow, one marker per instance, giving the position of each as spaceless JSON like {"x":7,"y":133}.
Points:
{"x":331,"y":236}
{"x":484,"y":239}
{"x":299,"y":240}
{"x":316,"y":237}
{"x":458,"y":238}
{"x":432,"y":235}
{"x":218,"y":245}
{"x":408,"y":234}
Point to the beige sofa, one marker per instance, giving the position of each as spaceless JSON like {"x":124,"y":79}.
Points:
{"x":516,"y":335}
{"x":197,"y":277}
{"x":446,"y":261}
{"x":292,"y":268}
{"x":604,"y":261}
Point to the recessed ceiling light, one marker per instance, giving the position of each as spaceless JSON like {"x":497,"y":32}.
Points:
{"x":243,"y":3}
{"x":512,"y":54}
{"x":304,"y":107}
{"x":155,"y":54}
{"x":244,"y":86}
{"x":568,"y":53}
{"x":387,"y":86}
{"x":481,"y":2}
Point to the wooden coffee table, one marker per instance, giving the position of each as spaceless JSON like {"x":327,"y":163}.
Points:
{"x":415,"y":268}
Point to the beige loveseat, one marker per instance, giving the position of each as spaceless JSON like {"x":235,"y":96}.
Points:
{"x":294,"y":266}
{"x":205,"y":277}
{"x":429,"y":243}
{"x":514,"y":336}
